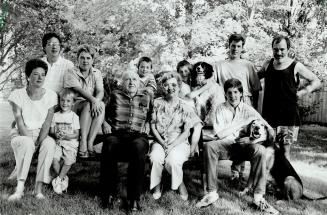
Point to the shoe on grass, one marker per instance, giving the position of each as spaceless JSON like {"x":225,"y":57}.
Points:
{"x":64,"y":183}
{"x":16,"y":196}
{"x":208,"y":199}
{"x":265,"y":207}
{"x":39,"y":196}
{"x":56,"y":184}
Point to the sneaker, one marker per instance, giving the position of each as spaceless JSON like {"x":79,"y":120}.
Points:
{"x":156,"y":195}
{"x":39,"y":196}
{"x":64,"y":183}
{"x":15,"y":196}
{"x":56,"y":184}
{"x":208,"y":199}
{"x":265,"y":207}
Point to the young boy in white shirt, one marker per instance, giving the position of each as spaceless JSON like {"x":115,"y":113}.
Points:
{"x":65,"y":128}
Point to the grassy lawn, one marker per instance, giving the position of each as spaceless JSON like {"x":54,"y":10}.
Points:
{"x":309,"y":158}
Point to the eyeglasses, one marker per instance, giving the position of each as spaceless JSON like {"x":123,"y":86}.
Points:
{"x":53,"y":44}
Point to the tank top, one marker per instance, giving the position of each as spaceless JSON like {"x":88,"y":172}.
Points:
{"x":280,"y":100}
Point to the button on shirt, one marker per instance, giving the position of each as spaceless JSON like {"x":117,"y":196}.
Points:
{"x":125,"y":113}
{"x":227,"y":114}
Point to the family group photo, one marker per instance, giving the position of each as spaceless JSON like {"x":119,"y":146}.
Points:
{"x":163,"y":107}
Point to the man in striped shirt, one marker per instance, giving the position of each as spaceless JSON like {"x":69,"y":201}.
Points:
{"x":128,"y":111}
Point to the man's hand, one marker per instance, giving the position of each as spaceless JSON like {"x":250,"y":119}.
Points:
{"x":106,"y":128}
{"x":194,"y":150}
{"x":96,"y":108}
{"x":243,"y":140}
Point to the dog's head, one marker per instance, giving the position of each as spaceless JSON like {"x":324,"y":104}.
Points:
{"x":258,"y":131}
{"x":201,"y":70}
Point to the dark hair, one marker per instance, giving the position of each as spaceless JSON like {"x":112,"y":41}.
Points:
{"x":182,"y":64}
{"x":145,"y":59}
{"x":66,"y":92}
{"x":207,"y":69}
{"x":279,"y":39}
{"x":168,"y":75}
{"x":233,"y":83}
{"x":33,"y":64}
{"x":236,"y":37}
{"x":47,"y":37}
{"x":86,"y":48}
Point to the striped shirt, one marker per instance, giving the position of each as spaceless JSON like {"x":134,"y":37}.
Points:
{"x":130,"y":114}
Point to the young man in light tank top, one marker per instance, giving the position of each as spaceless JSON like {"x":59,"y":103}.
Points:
{"x":280,"y":107}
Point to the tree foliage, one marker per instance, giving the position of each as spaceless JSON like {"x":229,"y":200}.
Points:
{"x":167,"y":31}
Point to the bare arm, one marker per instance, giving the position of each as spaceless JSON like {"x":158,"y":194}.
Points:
{"x":305,"y":73}
{"x":197,"y":92}
{"x":17,"y":111}
{"x":46,"y":126}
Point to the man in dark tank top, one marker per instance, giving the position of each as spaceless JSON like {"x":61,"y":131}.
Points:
{"x":282,"y":76}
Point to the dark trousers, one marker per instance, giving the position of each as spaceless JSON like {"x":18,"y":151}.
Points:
{"x":128,"y":147}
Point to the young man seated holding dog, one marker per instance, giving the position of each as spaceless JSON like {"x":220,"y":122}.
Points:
{"x":231,"y":117}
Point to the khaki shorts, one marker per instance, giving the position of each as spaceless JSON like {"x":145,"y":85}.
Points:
{"x":290,"y":133}
{"x":66,"y":151}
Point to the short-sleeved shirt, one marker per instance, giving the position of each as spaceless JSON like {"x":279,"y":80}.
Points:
{"x":54,"y":80}
{"x":67,"y":122}
{"x":242,"y":70}
{"x":34,"y":112}
{"x":149,"y":82}
{"x":74,"y":78}
{"x":126,"y":113}
{"x":171,"y":122}
{"x":225,"y":116}
{"x":185,"y":89}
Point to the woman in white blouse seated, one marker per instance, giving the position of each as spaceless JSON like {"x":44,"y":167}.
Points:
{"x":33,"y":109}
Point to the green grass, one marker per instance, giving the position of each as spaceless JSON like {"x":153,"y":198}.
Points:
{"x":309,"y":157}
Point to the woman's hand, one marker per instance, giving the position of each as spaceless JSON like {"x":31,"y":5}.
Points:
{"x":194,"y":150}
{"x":96,"y":108}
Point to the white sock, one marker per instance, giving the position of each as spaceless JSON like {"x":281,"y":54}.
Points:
{"x":214,"y":192}
{"x":257,"y":197}
{"x":20,"y":186}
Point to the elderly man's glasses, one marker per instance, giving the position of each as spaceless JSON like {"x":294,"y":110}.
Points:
{"x":53,"y":44}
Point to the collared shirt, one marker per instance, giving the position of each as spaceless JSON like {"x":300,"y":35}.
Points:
{"x":92,"y":83}
{"x":241,"y":69}
{"x":170,"y":121}
{"x":125,"y":113}
{"x":54,"y":80}
{"x":227,"y":114}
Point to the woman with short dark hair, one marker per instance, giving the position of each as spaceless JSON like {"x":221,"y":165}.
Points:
{"x":33,"y":109}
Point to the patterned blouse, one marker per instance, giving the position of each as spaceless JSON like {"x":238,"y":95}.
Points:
{"x":172,"y":121}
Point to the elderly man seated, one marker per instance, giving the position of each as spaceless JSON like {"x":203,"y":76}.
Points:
{"x":127,"y":112}
{"x":229,"y":119}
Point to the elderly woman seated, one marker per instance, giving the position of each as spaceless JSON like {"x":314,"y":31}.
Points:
{"x":171,"y":122}
{"x":33,"y":109}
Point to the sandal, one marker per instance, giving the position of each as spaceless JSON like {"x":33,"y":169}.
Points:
{"x":83,"y":154}
{"x":91,"y":153}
